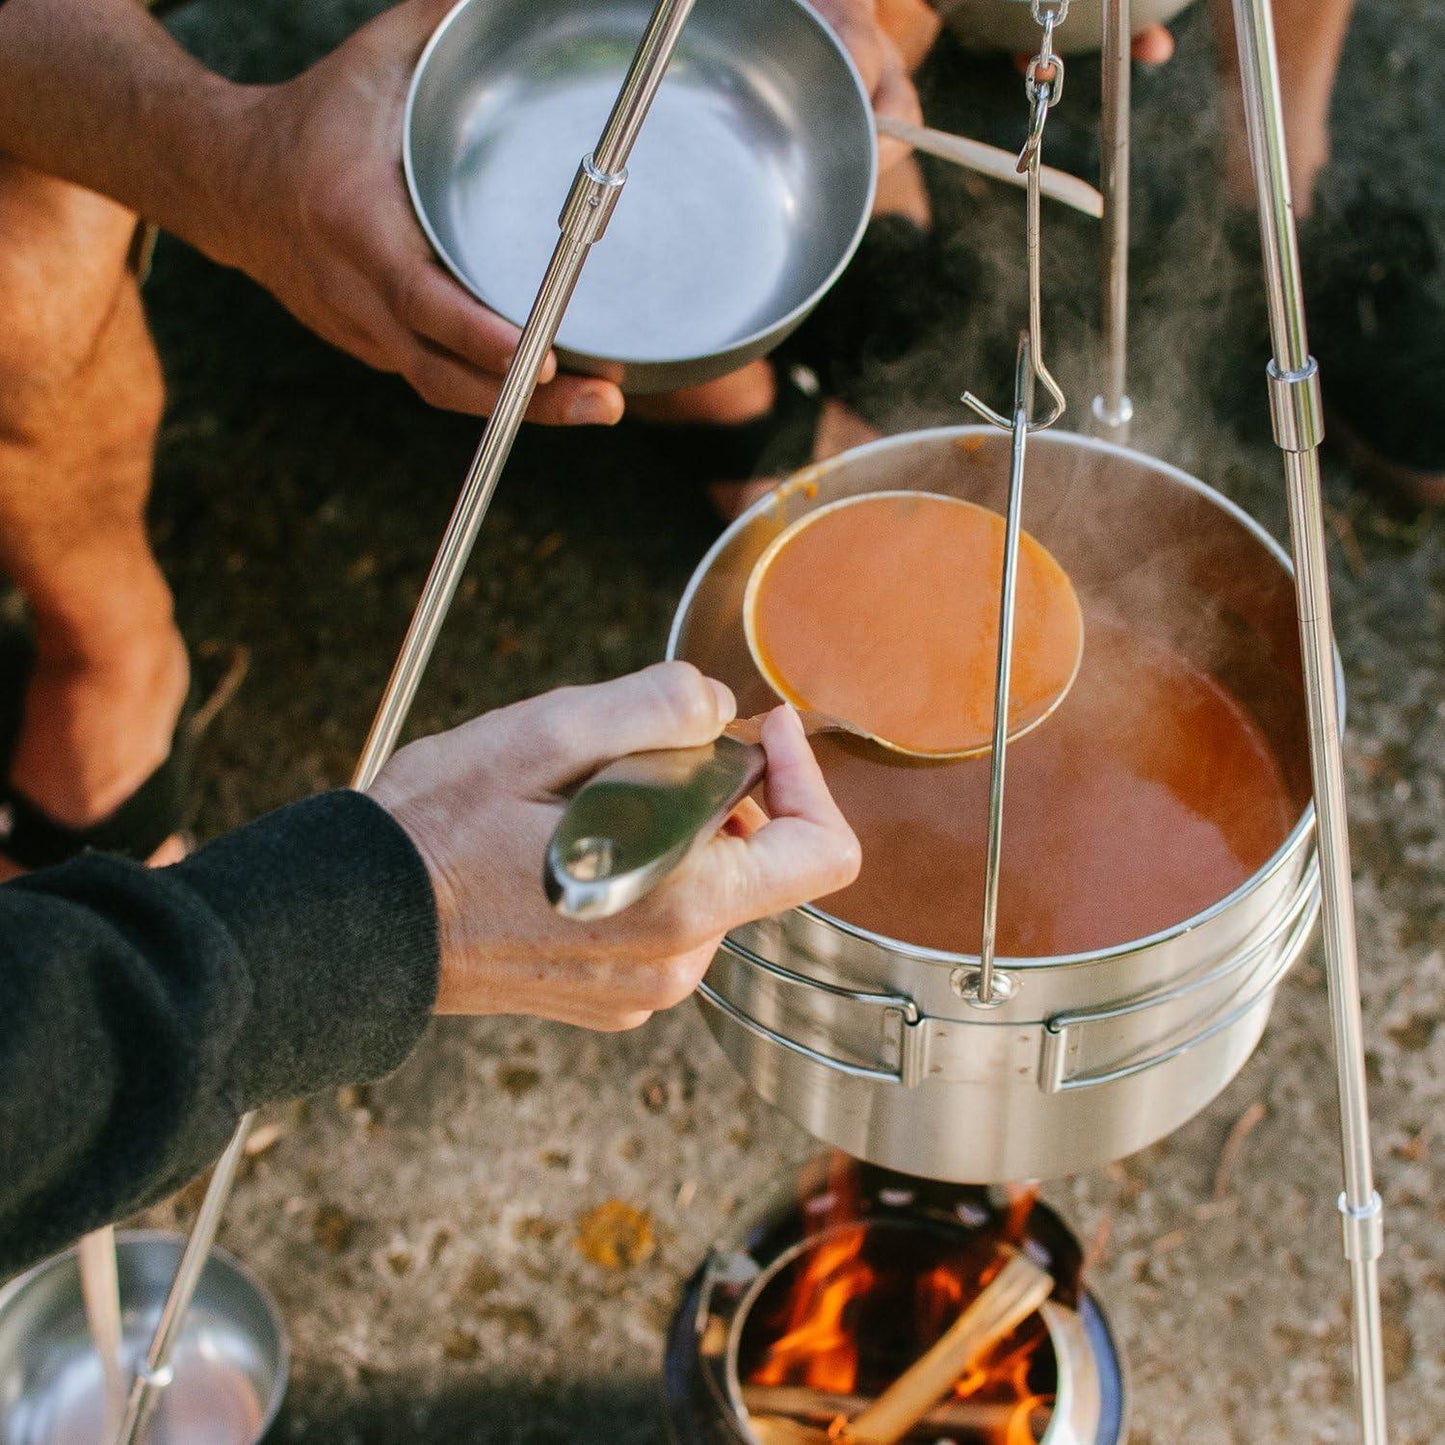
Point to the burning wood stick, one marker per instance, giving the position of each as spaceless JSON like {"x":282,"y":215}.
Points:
{"x":1018,"y":1289}
{"x":815,"y":1410}
{"x":776,"y":1430}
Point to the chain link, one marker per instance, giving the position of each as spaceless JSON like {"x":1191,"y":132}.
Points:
{"x":1043,"y":77}
{"x":1044,"y":84}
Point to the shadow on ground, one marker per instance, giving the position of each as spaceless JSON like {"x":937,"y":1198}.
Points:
{"x":512,"y":1411}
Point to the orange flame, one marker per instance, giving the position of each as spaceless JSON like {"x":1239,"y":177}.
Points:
{"x":818,"y":1344}
{"x":818,"y":1349}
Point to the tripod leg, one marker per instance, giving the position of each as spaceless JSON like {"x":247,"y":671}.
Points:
{"x":1113,"y":411}
{"x":1299,"y":428}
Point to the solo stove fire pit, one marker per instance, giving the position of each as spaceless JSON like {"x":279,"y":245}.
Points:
{"x":807,"y":1312}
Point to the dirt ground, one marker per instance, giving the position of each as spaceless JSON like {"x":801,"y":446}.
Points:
{"x":422,"y":1236}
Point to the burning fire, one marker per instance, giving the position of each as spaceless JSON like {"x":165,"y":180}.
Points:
{"x":820,"y":1349}
{"x":855,"y":1316}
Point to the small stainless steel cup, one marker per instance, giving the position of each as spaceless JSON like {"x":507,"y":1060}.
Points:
{"x":229,"y":1369}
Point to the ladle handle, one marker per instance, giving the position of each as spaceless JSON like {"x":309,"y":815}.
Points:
{"x":993,"y":162}
{"x":631,"y":824}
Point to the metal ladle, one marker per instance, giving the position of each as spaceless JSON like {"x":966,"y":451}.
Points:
{"x":630,"y":825}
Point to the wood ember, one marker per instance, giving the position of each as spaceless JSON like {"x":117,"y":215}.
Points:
{"x":818,"y":1409}
{"x":1018,"y":1289}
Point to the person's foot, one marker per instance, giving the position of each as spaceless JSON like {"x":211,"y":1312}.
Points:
{"x":1373,"y":274}
{"x":734,"y":407}
{"x":839,"y":430}
{"x":750,"y":397}
{"x":96,"y":725}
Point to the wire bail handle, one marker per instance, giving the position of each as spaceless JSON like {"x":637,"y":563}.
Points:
{"x":1044,"y":85}
{"x":988,"y":989}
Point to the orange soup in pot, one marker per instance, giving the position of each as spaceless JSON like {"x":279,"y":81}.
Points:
{"x":1149,"y":795}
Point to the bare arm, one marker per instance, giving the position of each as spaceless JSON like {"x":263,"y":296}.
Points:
{"x":1311,"y":37}
{"x":299,"y":185}
{"x":99,"y":94}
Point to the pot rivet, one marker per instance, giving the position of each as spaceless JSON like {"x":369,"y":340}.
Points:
{"x":964,"y":982}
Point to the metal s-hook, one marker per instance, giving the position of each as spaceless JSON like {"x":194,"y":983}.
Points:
{"x":1044,"y":84}
{"x":1032,"y":347}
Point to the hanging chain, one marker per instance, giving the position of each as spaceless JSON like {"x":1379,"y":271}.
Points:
{"x":1044,"y":86}
{"x":1043,"y":77}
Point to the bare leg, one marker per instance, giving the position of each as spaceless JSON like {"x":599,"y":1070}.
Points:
{"x":738,"y":398}
{"x":750,"y":392}
{"x":80,"y":404}
{"x":1311,"y":35}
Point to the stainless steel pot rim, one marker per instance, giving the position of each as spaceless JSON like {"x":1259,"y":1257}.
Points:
{"x":1281,"y":857}
{"x":781,"y":324}
{"x":21,"y":1283}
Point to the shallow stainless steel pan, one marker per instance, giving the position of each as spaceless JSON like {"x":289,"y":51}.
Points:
{"x":748,"y":190}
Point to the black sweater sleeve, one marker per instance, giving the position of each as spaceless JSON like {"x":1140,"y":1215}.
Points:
{"x":142,"y":1011}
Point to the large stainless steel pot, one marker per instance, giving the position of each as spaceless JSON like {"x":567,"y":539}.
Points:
{"x":871,"y":1043}
{"x":748,"y":193}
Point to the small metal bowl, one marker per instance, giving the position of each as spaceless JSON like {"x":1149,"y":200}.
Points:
{"x":750,"y":183}
{"x":230,"y":1364}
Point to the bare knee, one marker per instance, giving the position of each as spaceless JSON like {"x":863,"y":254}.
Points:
{"x":62,"y":277}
